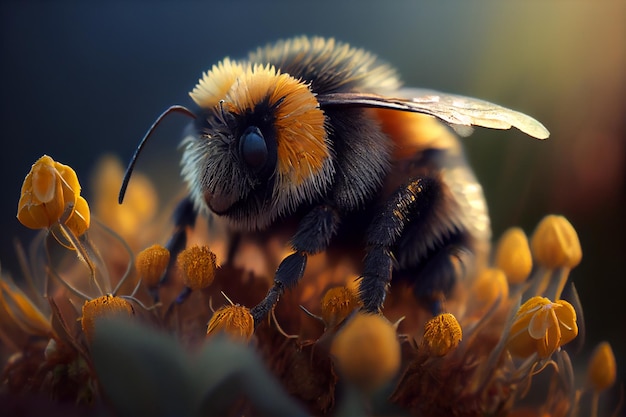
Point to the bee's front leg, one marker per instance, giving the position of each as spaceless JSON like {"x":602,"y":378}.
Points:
{"x":184,"y":216}
{"x":409,"y":202}
{"x":313,"y":235}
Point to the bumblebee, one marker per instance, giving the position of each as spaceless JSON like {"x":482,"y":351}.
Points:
{"x":316,"y":133}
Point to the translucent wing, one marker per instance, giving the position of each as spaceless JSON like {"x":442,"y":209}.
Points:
{"x":453,"y":109}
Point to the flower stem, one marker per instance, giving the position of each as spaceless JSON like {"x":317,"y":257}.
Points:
{"x":82,"y":254}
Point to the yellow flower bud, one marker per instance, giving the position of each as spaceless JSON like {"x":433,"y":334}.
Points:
{"x":105,"y":306}
{"x":513,"y":255}
{"x":367,"y":351}
{"x":47,"y":190}
{"x":555,"y":243}
{"x":140,"y":202}
{"x":197,"y":264}
{"x":151,"y":264}
{"x":601,"y":372}
{"x":234,"y":321}
{"x":44,"y":194}
{"x":541,"y":326}
{"x":337,"y":303}
{"x":490,"y":284}
{"x":442,"y":333}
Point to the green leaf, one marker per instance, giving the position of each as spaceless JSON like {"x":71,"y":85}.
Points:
{"x":141,"y":371}
{"x":225,"y":367}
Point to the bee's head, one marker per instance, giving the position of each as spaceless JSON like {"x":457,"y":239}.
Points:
{"x":260,"y":146}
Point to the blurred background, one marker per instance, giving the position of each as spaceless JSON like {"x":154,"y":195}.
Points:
{"x":80,"y":80}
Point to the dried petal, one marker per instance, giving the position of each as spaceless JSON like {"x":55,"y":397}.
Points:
{"x":22,"y":311}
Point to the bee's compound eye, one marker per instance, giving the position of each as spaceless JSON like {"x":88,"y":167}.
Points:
{"x":253,"y":148}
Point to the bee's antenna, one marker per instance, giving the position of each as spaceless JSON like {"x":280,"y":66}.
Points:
{"x":131,"y":165}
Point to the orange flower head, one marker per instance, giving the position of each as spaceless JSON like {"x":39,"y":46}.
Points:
{"x":233,"y":320}
{"x":442,"y":333}
{"x":198,"y":265}
{"x":151,"y":264}
{"x":104,"y":306}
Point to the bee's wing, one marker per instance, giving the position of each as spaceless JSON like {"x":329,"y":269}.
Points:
{"x":453,"y":109}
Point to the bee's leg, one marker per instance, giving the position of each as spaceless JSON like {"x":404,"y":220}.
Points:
{"x":441,"y":272}
{"x":406,"y":204}
{"x":287,"y":275}
{"x":184,"y":216}
{"x":313,"y":235}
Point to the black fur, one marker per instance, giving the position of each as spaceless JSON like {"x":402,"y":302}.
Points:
{"x":316,"y":230}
